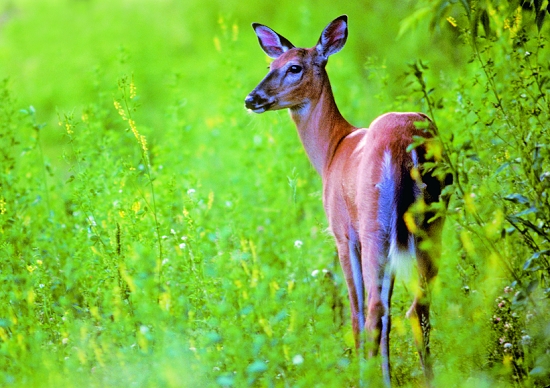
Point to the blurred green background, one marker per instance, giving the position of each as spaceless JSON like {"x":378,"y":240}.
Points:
{"x":59,"y":55}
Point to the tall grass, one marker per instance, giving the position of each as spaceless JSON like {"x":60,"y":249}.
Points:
{"x":154,"y":233}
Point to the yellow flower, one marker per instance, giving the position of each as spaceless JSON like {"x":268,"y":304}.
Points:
{"x":133,"y":127}
{"x":452,"y":21}
{"x":132,"y":88}
{"x":143,"y":142}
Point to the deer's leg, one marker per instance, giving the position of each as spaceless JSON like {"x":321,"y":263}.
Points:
{"x":348,"y":253}
{"x":379,"y":280}
{"x":386,"y":294}
{"x":419,"y":312}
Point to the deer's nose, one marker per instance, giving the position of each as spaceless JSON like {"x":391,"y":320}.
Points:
{"x":254,"y":100}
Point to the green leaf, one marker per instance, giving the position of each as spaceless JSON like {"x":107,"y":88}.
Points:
{"x":439,"y":13}
{"x":517,"y":198}
{"x":539,"y":19}
{"x":526,"y":212}
{"x":502,"y":167}
{"x":532,"y":264}
{"x":5,"y":323}
{"x":532,"y":286}
{"x":484,"y":18}
{"x":257,"y":366}
{"x":417,"y":140}
{"x":466,"y":7}
{"x":226,"y":380}
{"x":409,"y":22}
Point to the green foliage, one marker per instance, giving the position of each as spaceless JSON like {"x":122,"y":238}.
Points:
{"x":499,"y":156}
{"x":154,"y":233}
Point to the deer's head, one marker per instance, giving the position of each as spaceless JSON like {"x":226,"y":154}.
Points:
{"x":297,"y":74}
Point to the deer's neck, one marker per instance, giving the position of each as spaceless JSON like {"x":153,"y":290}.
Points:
{"x":321,"y":127}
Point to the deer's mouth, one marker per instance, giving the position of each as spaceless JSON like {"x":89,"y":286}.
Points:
{"x":257,"y":104}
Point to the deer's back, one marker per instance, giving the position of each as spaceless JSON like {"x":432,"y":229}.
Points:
{"x":351,"y":183}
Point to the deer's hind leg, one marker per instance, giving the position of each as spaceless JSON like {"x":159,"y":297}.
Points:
{"x":379,"y":282}
{"x":428,"y":252}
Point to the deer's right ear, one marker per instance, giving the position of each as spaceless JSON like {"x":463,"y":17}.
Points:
{"x":272,"y":43}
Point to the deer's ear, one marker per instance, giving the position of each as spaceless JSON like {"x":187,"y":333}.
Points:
{"x":333,"y":37}
{"x":272,"y":43}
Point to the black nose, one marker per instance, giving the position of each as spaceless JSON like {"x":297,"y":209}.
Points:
{"x":249,"y":101}
{"x":254,"y":100}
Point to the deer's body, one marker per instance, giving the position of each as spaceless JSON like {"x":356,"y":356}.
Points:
{"x":370,"y":181}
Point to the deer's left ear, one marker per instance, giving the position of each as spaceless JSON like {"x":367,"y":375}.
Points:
{"x":333,"y":38}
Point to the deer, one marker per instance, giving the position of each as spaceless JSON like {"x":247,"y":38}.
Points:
{"x":373,"y":178}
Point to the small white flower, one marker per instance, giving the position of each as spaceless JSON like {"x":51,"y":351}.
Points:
{"x":298,"y":359}
{"x":143,"y":329}
{"x":190,"y":191}
{"x":315,"y":272}
{"x":65,"y":341}
{"x":182,"y":245}
{"x":172,"y":231}
{"x":41,"y":286}
{"x":165,"y":261}
{"x":298,"y":244}
{"x":508,"y":345}
{"x":164,"y":237}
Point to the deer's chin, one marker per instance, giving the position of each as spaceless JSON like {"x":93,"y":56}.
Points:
{"x":260,"y":108}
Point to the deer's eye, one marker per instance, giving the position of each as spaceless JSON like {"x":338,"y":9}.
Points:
{"x":295,"y":69}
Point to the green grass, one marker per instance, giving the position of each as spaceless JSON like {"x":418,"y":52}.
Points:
{"x":189,"y":246}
